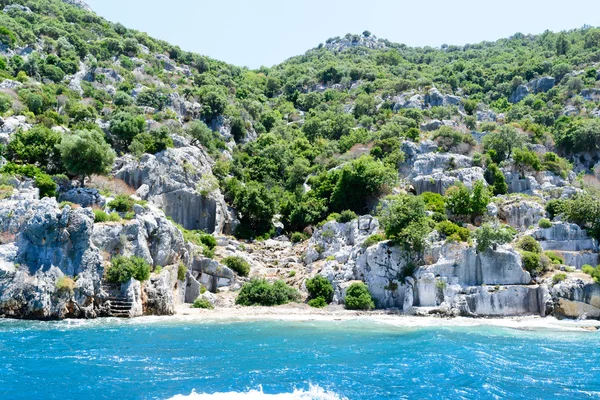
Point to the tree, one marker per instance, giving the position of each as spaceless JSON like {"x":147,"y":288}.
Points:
{"x":404,"y":221}
{"x":85,"y":152}
{"x":36,"y":146}
{"x":493,"y":235}
{"x":320,"y":287}
{"x":364,"y":105}
{"x":213,"y":100}
{"x":126,"y":126}
{"x":562,"y":44}
{"x":463,"y":202}
{"x":363,"y":178}
{"x":5,"y":103}
{"x":503,"y":141}
{"x":526,"y":161}
{"x":257,"y":206}
{"x":358,"y":297}
{"x":495,"y":177}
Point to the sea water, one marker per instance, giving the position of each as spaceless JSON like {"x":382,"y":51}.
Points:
{"x":157,"y":358}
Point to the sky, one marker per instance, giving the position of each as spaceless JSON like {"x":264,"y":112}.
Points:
{"x":253,"y":33}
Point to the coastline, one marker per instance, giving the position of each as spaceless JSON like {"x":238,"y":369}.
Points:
{"x":304,"y":313}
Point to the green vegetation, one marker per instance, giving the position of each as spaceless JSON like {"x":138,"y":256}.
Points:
{"x":373,"y":239}
{"x":467,"y":204}
{"x":259,"y":292}
{"x":121,"y":203}
{"x":404,"y":221}
{"x":554,"y":258}
{"x":561,"y":276}
{"x":181,"y":271}
{"x":528,"y":243}
{"x":201,"y":302}
{"x":545,"y":223}
{"x":320,"y":291}
{"x":237,"y":264}
{"x":358,"y":297}
{"x":65,"y":285}
{"x":100,"y":216}
{"x":452,"y":231}
{"x":591,"y":271}
{"x":122,"y":269}
{"x":489,"y":235}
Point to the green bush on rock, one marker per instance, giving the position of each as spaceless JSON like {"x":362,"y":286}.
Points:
{"x":201,"y":302}
{"x":237,"y":264}
{"x":358,"y":297}
{"x":259,"y":292}
{"x":122,"y":269}
{"x":320,"y":291}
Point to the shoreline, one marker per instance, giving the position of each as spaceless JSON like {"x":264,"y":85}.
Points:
{"x":303,"y":313}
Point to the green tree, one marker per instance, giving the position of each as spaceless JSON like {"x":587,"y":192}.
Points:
{"x":463,"y":202}
{"x":85,"y":153}
{"x":319,"y":287}
{"x":36,"y":146}
{"x":358,"y":297}
{"x":257,"y":206}
{"x":125,"y":126}
{"x":404,"y":221}
{"x":503,"y":141}
{"x":489,"y":235}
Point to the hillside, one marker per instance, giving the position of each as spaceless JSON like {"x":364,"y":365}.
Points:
{"x":485,"y":154}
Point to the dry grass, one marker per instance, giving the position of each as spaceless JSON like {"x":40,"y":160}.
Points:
{"x":7,"y":237}
{"x":110,"y":185}
{"x":591,"y":181}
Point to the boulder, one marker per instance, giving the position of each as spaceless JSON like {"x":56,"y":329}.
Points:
{"x":521,"y":214}
{"x":542,"y":84}
{"x":519,"y":94}
{"x":576,"y":298}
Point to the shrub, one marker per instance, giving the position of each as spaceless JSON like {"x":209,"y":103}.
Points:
{"x":85,"y":153}
{"x":554,"y":258}
{"x":201,"y":302}
{"x":36,"y":146}
{"x":591,"y":271}
{"x":45,"y":184}
{"x":298,"y":237}
{"x":556,"y":207}
{"x":373,"y":239}
{"x":528,"y":243}
{"x":467,"y":203}
{"x":122,"y":203}
{"x":65,"y":285}
{"x":404,"y":221}
{"x":262,"y":293}
{"x":100,"y":216}
{"x":358,"y":297}
{"x":346,"y":216}
{"x":320,"y":287}
{"x":181,"y":271}
{"x":238,"y":264}
{"x":495,"y":177}
{"x":122,"y":269}
{"x":434,"y":202}
{"x":559,"y":277}
{"x":493,"y":235}
{"x":451,"y":230}
{"x":545,"y":223}
{"x":531,"y":262}
{"x":319,"y":302}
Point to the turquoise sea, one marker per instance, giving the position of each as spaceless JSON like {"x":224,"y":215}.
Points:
{"x":154,"y":358}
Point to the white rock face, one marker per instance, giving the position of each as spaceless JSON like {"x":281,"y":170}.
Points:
{"x":521,"y":214}
{"x":569,"y":241}
{"x":169,"y":180}
{"x":577,"y":299}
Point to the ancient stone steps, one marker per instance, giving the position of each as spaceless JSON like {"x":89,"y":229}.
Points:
{"x":119,"y":306}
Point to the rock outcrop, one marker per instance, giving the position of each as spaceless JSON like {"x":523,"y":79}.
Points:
{"x":170,"y":181}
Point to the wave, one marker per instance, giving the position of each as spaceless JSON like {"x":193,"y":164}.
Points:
{"x":315,"y":392}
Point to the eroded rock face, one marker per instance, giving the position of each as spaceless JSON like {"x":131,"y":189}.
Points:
{"x":569,"y":241}
{"x":577,"y":299}
{"x":50,"y":244}
{"x":436,"y":172}
{"x":542,"y":84}
{"x":521,"y":214}
{"x":519,"y":94}
{"x":169,"y":180}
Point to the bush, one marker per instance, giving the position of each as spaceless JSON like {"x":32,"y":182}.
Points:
{"x":122,"y":269}
{"x":493,"y":235}
{"x":434,"y":202}
{"x":591,"y":271}
{"x":404,"y":221}
{"x":201,"y":302}
{"x":554,"y":258}
{"x":85,"y":153}
{"x":45,"y":184}
{"x":559,"y":277}
{"x":467,"y":203}
{"x":346,"y":216}
{"x":65,"y":285}
{"x":453,"y":231}
{"x":42,"y":180}
{"x":528,"y":243}
{"x":36,"y":146}
{"x":122,"y":203}
{"x":358,"y":297}
{"x":545,"y":223}
{"x":532,"y":262}
{"x":238,"y":264}
{"x":556,"y":207}
{"x":100,"y":216}
{"x":373,"y":239}
{"x":259,"y":292}
{"x":181,"y":271}
{"x":319,"y":302}
{"x":320,"y":287}
{"x":298,"y":237}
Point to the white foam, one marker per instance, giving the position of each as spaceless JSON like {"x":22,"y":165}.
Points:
{"x":315,"y":392}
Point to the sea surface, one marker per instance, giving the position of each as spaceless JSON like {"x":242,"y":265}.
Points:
{"x":157,"y":358}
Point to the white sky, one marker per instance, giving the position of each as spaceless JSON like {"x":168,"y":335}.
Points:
{"x":266,"y":32}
